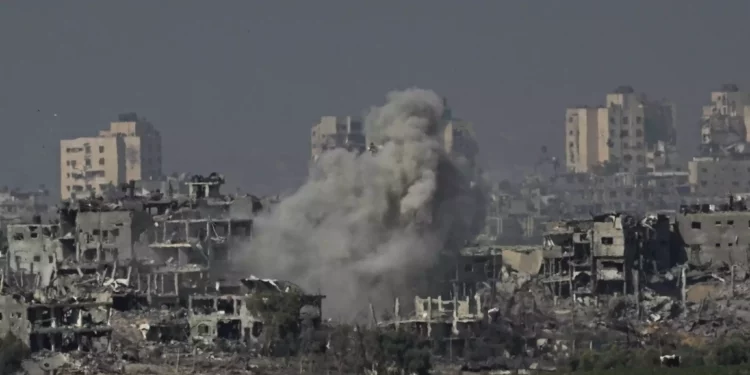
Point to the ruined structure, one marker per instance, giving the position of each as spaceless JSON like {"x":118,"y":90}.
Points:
{"x":186,"y":243}
{"x":156,"y":261}
{"x":64,"y":324}
{"x":65,"y":277}
{"x":240,"y":312}
{"x":605,"y":254}
{"x":450,"y":325}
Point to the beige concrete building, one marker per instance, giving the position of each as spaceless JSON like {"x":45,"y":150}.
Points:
{"x":337,"y":132}
{"x":129,"y":150}
{"x":586,"y":132}
{"x":630,"y":133}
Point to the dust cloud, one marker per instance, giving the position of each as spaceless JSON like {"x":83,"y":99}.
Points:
{"x":366,"y":228}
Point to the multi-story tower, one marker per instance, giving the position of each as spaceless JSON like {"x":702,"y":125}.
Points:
{"x":337,"y":132}
{"x":587,"y":136}
{"x":629,"y":133}
{"x":129,"y":150}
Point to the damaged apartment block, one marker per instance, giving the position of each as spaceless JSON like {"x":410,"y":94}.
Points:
{"x":585,"y":258}
{"x":33,"y":250}
{"x":604,"y":255}
{"x":61,"y":325}
{"x":61,"y":279}
{"x":243,"y":312}
{"x":185,"y":244}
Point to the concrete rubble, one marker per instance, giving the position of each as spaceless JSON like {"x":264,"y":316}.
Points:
{"x":130,"y":285}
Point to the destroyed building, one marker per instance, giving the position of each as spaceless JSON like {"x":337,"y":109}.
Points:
{"x":64,"y":277}
{"x":239,"y":312}
{"x":69,"y":323}
{"x":484,"y":267}
{"x":449,"y":325}
{"x":109,"y":236}
{"x":186,"y":243}
{"x":593,"y":256}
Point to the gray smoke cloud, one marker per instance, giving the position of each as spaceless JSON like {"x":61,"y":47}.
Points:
{"x":366,"y":228}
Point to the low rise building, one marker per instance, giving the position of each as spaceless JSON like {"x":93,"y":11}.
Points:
{"x":715,"y":234}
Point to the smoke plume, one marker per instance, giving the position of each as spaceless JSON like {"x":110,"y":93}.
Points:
{"x":366,"y":228}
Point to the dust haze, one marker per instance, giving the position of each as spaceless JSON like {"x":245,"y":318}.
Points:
{"x":366,"y":228}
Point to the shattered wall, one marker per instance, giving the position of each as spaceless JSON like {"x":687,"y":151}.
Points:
{"x":34,"y":249}
{"x":225,"y":317}
{"x":205,"y":241}
{"x":108,"y":236}
{"x":608,"y":239}
{"x":58,"y":325}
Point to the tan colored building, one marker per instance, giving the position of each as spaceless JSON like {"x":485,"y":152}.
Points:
{"x":129,"y":150}
{"x":337,"y":132}
{"x":586,"y":132}
{"x":630,"y":132}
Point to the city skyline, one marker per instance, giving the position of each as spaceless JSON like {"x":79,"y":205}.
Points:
{"x":251,"y":70}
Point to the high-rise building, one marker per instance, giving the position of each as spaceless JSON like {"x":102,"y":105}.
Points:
{"x":337,"y":132}
{"x":458,"y":137}
{"x":587,"y":136}
{"x":129,"y":150}
{"x":629,"y":134}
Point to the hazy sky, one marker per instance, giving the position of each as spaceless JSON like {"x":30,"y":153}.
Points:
{"x":234,"y":86}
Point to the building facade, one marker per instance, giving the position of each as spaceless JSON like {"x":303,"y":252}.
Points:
{"x":337,"y":132}
{"x":587,"y":138}
{"x":129,"y":150}
{"x":725,"y":120}
{"x":710,"y":176}
{"x":629,"y":134}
